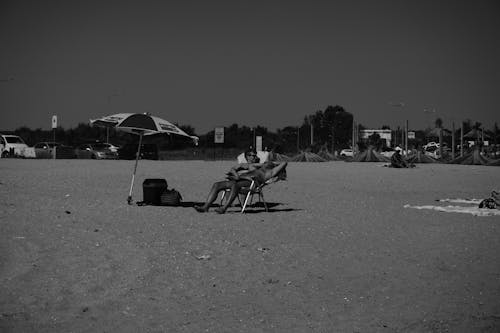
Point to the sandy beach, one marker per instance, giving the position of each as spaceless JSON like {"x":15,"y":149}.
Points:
{"x":337,"y":252}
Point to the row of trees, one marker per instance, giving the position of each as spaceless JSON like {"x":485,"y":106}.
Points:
{"x":329,"y":129}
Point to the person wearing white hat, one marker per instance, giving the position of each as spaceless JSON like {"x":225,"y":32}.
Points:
{"x":397,"y":160}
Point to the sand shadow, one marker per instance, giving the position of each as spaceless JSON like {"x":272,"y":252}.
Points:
{"x":260,"y":208}
{"x":251,"y":209}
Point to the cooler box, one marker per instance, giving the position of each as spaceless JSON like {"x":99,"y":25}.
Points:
{"x":152,"y":190}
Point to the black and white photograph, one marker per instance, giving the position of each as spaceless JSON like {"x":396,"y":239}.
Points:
{"x":249,"y":166}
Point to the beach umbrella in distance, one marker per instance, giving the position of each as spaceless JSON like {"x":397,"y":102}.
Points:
{"x":140,"y":124}
{"x":476,"y":134}
{"x":494,"y":163}
{"x":434,"y":133}
{"x":276,"y":157}
{"x":473,"y":157}
{"x":370,"y":155}
{"x":327,"y":155}
{"x":420,"y":157}
{"x":306,"y":156}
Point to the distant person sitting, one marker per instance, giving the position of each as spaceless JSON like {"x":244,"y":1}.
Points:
{"x":397,"y":160}
{"x":496,"y":197}
{"x":491,"y":202}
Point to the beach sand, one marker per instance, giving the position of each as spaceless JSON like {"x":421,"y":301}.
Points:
{"x":338,"y":252}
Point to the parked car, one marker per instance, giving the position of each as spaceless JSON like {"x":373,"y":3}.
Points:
{"x":149,"y":151}
{"x":430,"y":145}
{"x":46,"y":150}
{"x":435,"y":152}
{"x":111,"y":147}
{"x":12,"y":145}
{"x":95,"y":151}
{"x":346,"y":152}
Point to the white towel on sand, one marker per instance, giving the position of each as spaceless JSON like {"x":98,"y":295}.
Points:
{"x":471,"y":208}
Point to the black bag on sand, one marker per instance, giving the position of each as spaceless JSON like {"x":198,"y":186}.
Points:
{"x":488,"y":203}
{"x":171,"y":198}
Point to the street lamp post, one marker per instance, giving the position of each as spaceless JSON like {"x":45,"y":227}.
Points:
{"x":333,"y":140}
{"x":298,"y":139}
{"x":405,"y":126}
{"x":253,"y":139}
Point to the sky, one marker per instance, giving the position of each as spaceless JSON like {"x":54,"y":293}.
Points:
{"x":269,"y":63}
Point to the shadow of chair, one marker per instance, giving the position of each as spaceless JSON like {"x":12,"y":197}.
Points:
{"x":246,"y":194}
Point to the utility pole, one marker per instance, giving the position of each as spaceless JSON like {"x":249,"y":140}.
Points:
{"x":453,"y":140}
{"x":333,"y":140}
{"x":406,"y":138}
{"x":312,"y":131}
{"x":298,"y":139}
{"x":462,"y":140}
{"x":353,"y":135}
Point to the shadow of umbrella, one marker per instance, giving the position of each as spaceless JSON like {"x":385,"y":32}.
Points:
{"x":140,"y":124}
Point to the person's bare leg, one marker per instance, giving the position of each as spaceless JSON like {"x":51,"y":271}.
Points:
{"x":235,"y":190}
{"x":212,"y":195}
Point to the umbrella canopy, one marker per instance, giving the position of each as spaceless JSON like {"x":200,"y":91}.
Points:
{"x":494,"y":163}
{"x":472,"y":158}
{"x":278,"y":157}
{"x":140,"y":124}
{"x":306,"y":156}
{"x":327,"y":155}
{"x":370,"y":155}
{"x":420,"y":157}
{"x":475,"y":134}
{"x":434,"y":133}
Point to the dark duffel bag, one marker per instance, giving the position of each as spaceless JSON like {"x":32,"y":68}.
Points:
{"x":171,"y":198}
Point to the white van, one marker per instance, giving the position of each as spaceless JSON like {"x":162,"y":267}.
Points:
{"x":12,"y":145}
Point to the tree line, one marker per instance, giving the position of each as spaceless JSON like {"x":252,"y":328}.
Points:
{"x":327,"y":129}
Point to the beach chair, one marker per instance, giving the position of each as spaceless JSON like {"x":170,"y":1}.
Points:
{"x":246,"y":194}
{"x":254,"y":189}
{"x":241,"y":158}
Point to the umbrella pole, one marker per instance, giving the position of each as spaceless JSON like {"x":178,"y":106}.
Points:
{"x":129,"y":199}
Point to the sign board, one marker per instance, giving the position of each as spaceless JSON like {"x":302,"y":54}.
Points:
{"x":219,"y":135}
{"x":258,"y":143}
{"x":411,"y":135}
{"x":54,"y":121}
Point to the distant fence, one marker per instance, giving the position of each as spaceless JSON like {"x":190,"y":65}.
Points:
{"x":204,"y":154}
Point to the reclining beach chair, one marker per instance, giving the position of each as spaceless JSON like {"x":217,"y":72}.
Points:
{"x":246,"y":194}
{"x":255,"y":189}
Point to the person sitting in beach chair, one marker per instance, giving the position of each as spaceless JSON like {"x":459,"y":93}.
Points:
{"x":251,"y":180}
{"x":262,"y":157}
{"x":247,"y":162}
{"x":492,"y":202}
